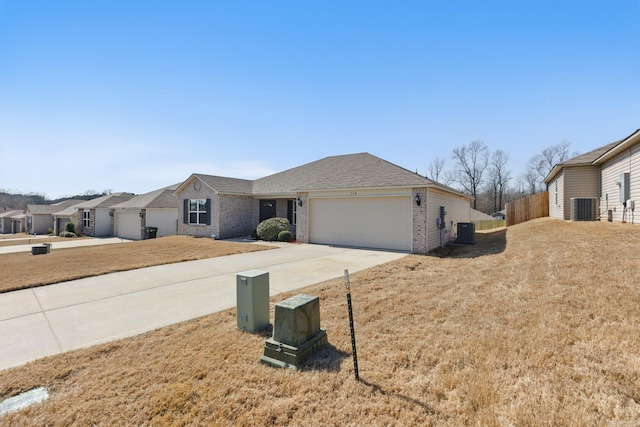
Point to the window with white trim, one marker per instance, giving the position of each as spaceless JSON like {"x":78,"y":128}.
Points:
{"x":86,"y":219}
{"x":198,"y":213}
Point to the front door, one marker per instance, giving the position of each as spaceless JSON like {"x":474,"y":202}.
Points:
{"x":267,"y":209}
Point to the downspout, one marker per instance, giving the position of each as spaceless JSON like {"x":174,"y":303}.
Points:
{"x":426,"y":222}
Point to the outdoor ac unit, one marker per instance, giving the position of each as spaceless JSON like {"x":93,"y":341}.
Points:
{"x":466,"y":233}
{"x":583,"y":209}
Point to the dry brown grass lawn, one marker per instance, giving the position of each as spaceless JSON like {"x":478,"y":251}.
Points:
{"x":30,"y":240}
{"x":23,"y":270}
{"x":535,"y":325}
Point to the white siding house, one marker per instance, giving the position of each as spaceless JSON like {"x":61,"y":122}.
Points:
{"x":456,"y":209}
{"x":610,"y":174}
{"x":616,"y":201}
{"x":578,"y":177}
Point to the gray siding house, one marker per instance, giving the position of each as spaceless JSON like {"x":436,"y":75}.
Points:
{"x":351,"y":200}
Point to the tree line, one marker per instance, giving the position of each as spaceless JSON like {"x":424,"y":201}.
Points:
{"x":18,"y":201}
{"x":485,"y":176}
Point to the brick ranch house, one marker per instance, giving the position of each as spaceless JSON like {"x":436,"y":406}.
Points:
{"x":350,"y":200}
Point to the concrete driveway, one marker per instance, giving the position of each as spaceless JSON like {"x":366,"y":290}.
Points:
{"x":53,"y":319}
{"x":72,"y":243}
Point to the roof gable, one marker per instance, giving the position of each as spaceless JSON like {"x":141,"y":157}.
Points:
{"x":219,"y":184}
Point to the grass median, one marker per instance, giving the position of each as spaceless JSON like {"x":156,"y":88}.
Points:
{"x":23,"y":270}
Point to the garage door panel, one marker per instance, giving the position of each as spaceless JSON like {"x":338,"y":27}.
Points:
{"x":103,"y":223}
{"x":165,"y":221}
{"x":373,"y":222}
{"x":128,"y":226}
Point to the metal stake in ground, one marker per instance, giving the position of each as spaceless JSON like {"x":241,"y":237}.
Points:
{"x":353,"y":332}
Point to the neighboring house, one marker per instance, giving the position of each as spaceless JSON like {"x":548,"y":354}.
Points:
{"x":158,"y":208}
{"x":350,"y":200}
{"x":95,"y":216}
{"x":620,"y":180}
{"x":476,"y":215}
{"x":500,"y":215}
{"x":610,"y":175}
{"x":5,"y":221}
{"x":61,"y":218}
{"x":578,"y":177}
{"x":18,"y":223}
{"x":39,"y":218}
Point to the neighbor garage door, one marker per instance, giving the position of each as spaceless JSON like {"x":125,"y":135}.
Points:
{"x":128,"y":225}
{"x":166,"y":220}
{"x":370,"y":222}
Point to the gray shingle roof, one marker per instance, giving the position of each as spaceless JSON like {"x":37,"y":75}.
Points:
{"x":50,"y":209}
{"x":226,"y":185}
{"x":161,"y":198}
{"x":361,"y":170}
{"x":70,"y":211}
{"x":590,"y":157}
{"x":623,"y":144}
{"x":585,"y":159}
{"x":349,"y":171}
{"x":8,"y":213}
{"x":105,"y":201}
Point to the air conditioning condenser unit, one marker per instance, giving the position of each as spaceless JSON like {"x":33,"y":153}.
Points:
{"x":583,"y":209}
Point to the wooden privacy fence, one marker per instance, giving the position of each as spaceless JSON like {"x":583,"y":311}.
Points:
{"x":488,"y":224}
{"x":532,"y":207}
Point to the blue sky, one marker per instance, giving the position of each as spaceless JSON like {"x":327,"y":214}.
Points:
{"x":137,"y":95}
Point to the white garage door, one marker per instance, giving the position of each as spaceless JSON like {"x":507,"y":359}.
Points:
{"x":128,"y":225}
{"x":370,"y":222}
{"x":165,"y":220}
{"x":103,"y":223}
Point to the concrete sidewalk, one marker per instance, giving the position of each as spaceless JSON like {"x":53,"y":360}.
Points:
{"x":72,"y":243}
{"x":53,"y":319}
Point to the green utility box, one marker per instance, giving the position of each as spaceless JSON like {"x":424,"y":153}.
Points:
{"x":252,"y":300}
{"x":296,"y":332}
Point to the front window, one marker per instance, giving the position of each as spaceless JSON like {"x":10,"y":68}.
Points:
{"x":292,"y":211}
{"x":86,"y":218}
{"x":197,"y":211}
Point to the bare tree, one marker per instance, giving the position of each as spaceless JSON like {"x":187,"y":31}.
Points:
{"x":471,"y":161}
{"x":499,"y":177}
{"x":541,"y":164}
{"x":531,"y":181}
{"x":435,"y":169}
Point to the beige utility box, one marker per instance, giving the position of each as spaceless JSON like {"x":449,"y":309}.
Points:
{"x":252,"y":300}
